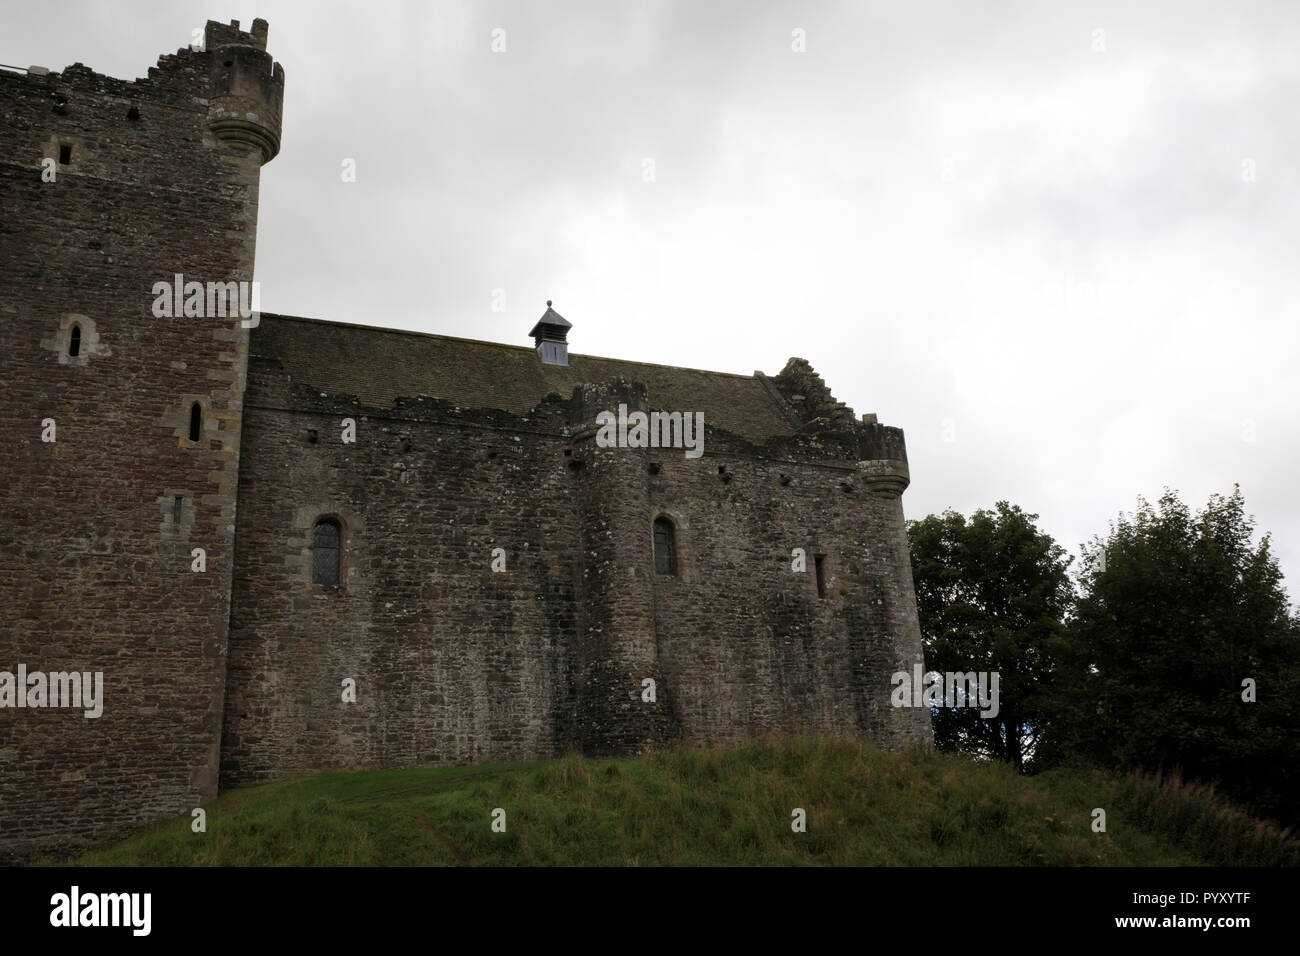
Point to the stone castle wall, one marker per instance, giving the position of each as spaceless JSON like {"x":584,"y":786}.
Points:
{"x":101,"y":522}
{"x":234,"y":673}
{"x":456,"y":662}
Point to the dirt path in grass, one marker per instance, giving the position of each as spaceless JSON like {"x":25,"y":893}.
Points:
{"x":456,"y":852}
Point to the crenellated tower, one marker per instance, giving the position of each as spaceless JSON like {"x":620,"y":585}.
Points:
{"x":125,"y":423}
{"x":501,"y":579}
{"x":247,"y":89}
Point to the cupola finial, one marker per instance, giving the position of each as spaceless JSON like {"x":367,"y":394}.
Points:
{"x":551,"y":336}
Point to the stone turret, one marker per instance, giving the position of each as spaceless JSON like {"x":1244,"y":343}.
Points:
{"x":107,"y":188}
{"x":247,"y":88}
{"x":616,"y":619}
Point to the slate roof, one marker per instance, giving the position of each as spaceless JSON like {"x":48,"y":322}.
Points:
{"x":551,"y":319}
{"x":380,"y":365}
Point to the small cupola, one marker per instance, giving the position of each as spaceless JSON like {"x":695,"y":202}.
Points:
{"x":551,"y":334}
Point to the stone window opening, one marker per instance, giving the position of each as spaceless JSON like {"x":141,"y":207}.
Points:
{"x":65,"y":154}
{"x":326,"y":545}
{"x":74,"y":341}
{"x":665,"y":541}
{"x":196,"y":421}
{"x":819,"y":563}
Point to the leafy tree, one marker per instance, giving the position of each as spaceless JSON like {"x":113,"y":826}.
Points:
{"x":991,"y":593}
{"x":1176,"y":611}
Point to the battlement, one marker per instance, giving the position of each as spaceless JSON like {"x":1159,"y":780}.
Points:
{"x":247,"y":87}
{"x":219,"y":34}
{"x":107,"y":187}
{"x":233,"y":77}
{"x":229,"y":520}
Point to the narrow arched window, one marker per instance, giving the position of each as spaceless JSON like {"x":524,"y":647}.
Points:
{"x":665,"y":547}
{"x":74,"y":342}
{"x":325,"y":552}
{"x":196,"y":421}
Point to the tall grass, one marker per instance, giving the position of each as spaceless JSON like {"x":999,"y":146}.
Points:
{"x":729,"y":806}
{"x":1195,"y":814}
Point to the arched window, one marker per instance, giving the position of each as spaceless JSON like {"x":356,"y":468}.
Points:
{"x":196,"y":421}
{"x":665,"y":547}
{"x":325,"y":552}
{"x":74,"y":342}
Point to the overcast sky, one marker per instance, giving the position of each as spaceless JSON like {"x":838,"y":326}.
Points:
{"x":1056,"y":243}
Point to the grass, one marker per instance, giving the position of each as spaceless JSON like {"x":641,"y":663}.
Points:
{"x":694,"y":807}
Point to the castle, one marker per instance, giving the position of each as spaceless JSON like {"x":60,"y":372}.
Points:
{"x":289,"y":545}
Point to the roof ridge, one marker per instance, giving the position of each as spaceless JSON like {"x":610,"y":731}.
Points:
{"x":498,"y":345}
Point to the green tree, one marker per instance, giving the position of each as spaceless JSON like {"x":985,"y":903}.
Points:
{"x":991,"y":594}
{"x":1176,"y":612}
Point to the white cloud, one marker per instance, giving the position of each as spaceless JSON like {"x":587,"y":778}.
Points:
{"x":952,"y":213}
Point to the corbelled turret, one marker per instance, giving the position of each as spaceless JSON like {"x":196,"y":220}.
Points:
{"x":247,"y":88}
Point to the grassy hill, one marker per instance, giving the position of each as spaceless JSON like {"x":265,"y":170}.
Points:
{"x":709,"y":807}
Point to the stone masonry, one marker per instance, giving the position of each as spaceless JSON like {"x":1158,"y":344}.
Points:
{"x":497,"y":595}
